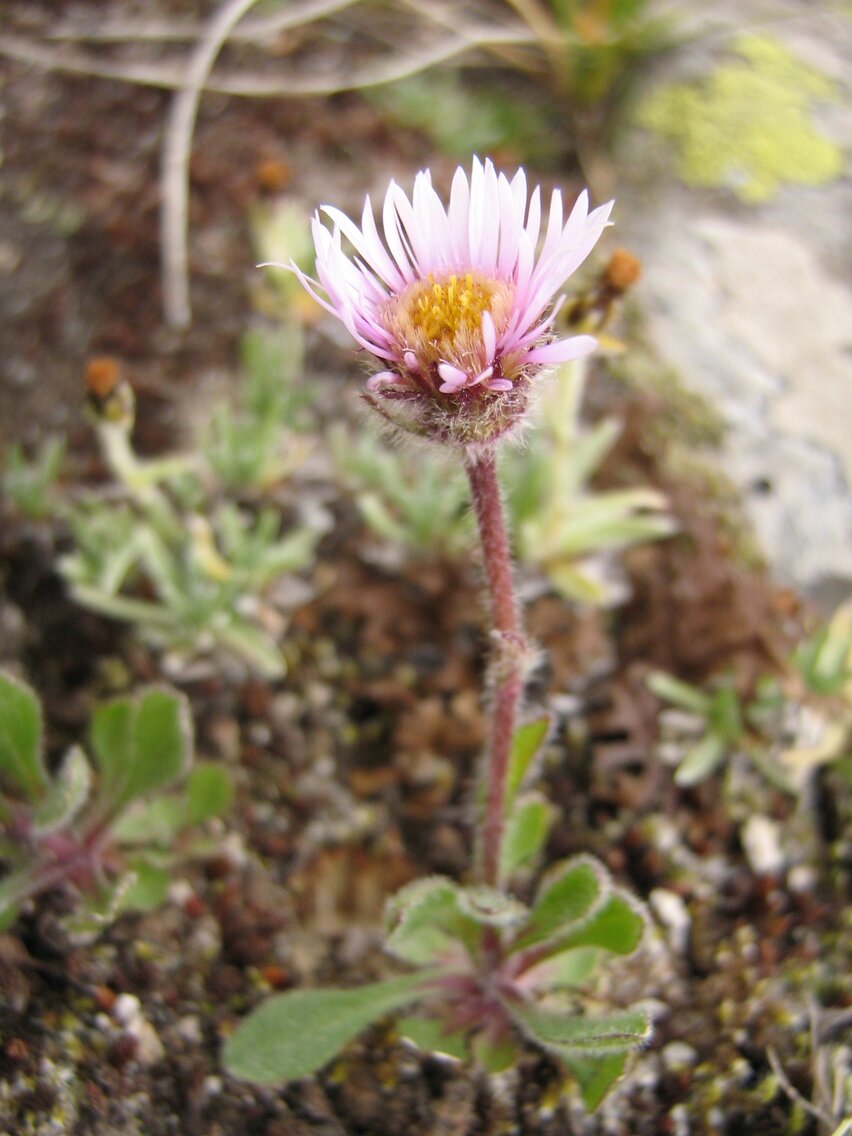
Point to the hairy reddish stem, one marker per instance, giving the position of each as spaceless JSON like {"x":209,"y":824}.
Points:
{"x":509,"y":652}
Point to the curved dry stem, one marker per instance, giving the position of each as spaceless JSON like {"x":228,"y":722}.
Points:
{"x":256,"y":30}
{"x":245,"y":84}
{"x":174,"y":175}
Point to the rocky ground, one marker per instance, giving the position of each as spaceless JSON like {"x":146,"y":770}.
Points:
{"x":352,"y":772}
{"x":747,"y":291}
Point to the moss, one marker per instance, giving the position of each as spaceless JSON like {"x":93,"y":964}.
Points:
{"x":747,"y":126}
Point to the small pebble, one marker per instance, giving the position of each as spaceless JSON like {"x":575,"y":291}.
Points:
{"x":149,"y":1049}
{"x":205,"y":942}
{"x":189,"y":1029}
{"x":126,"y":1008}
{"x":180,"y":891}
{"x":679,"y":1117}
{"x":212,"y":1086}
{"x":127,"y":1011}
{"x":678,"y":1055}
{"x":672,"y":912}
{"x":761,"y":841}
{"x":802,"y":878}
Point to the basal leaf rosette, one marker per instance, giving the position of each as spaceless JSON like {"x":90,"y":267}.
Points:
{"x":490,"y":976}
{"x":102,"y":830}
{"x":457,"y":304}
{"x":505,"y":975}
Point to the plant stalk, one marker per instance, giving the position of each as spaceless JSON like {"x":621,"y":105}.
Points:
{"x":508,"y":664}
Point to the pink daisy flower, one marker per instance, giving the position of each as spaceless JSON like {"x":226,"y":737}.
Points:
{"x":457,"y":303}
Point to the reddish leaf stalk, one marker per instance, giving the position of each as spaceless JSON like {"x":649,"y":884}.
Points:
{"x":508,"y":665}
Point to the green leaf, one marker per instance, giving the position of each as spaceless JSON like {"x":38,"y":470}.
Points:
{"x":490,"y":907}
{"x":9,"y":912}
{"x":149,"y":888}
{"x":141,"y":744}
{"x":254,"y":646}
{"x":569,"y":893}
{"x":67,"y":794}
{"x":98,"y":908}
{"x":20,"y":738}
{"x":573,"y":1034}
{"x":825,"y":660}
{"x":595,"y":1075}
{"x":567,"y":970}
{"x":14,"y":889}
{"x":525,"y":833}
{"x":424,"y":922}
{"x":155,"y":822}
{"x":495,"y":1056}
{"x":209,"y":792}
{"x":680,"y":694}
{"x":293,"y":1035}
{"x":701,"y":760}
{"x":725,"y":716}
{"x":526,"y":744}
{"x":617,"y":926}
{"x":574,"y":582}
{"x":379,"y":517}
{"x":430,"y":1035}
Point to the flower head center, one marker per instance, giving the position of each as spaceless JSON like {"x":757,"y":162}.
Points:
{"x":441,"y":319}
{"x":440,"y":310}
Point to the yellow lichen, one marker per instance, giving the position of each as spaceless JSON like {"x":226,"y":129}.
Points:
{"x":748,"y":125}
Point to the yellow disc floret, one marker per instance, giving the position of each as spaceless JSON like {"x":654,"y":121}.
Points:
{"x":440,"y":320}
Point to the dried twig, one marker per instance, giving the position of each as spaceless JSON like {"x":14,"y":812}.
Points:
{"x":174,"y":176}
{"x":258,"y":29}
{"x":190,"y":82}
{"x":793,"y":1093}
{"x":245,"y":84}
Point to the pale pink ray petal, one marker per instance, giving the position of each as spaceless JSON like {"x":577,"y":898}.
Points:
{"x":373,"y":254}
{"x":508,"y":254}
{"x":373,"y":348}
{"x":523,"y":268}
{"x":481,"y":377}
{"x":370,"y":285}
{"x":523,"y":339}
{"x":550,"y":274}
{"x":553,"y":233}
{"x":459,"y":211}
{"x":372,"y":330}
{"x":519,"y":195}
{"x":403,"y":220}
{"x":431,"y":224}
{"x":562,"y":350}
{"x":476,"y":216}
{"x":533,"y":224}
{"x":578,"y":215}
{"x":491,"y":245}
{"x":307,"y":283}
{"x":391,"y":225}
{"x":387,"y":269}
{"x":384,"y":379}
{"x":540,"y":295}
{"x":454,"y":379}
{"x":489,"y":337}
{"x":417,"y":234}
{"x":490,"y":233}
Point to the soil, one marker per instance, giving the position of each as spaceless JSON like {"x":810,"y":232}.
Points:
{"x":352,"y":774}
